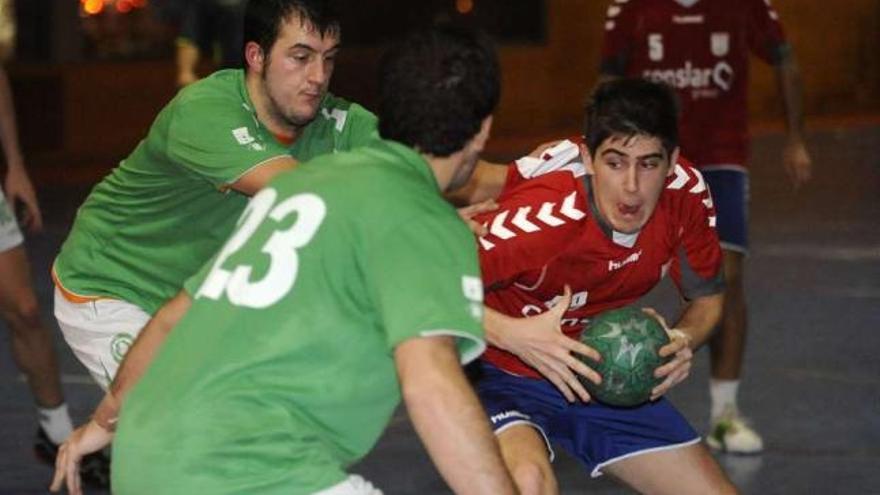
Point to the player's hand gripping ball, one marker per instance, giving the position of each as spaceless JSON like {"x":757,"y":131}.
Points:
{"x":629,"y":341}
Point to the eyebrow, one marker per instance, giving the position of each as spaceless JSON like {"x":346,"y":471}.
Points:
{"x":658,"y":155}
{"x":305,"y":46}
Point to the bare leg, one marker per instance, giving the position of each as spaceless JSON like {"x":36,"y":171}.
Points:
{"x":528,"y":461}
{"x":32,"y":346}
{"x":728,"y":344}
{"x":687,"y":470}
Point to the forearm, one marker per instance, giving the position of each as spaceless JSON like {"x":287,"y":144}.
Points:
{"x":791,"y":88}
{"x":485,"y":183}
{"x":494,"y":323}
{"x":140,"y":355}
{"x":449,"y":418}
{"x":700,"y":316}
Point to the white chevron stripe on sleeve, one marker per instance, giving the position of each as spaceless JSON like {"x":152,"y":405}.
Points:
{"x":568,"y":207}
{"x":712,"y":221}
{"x":545,"y":214}
{"x":701,"y":184}
{"x":521,"y":220}
{"x":486,"y":244}
{"x":498,"y":229}
{"x":681,"y":178}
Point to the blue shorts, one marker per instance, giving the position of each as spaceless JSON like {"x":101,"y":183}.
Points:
{"x":594,"y":433}
{"x":729,"y":185}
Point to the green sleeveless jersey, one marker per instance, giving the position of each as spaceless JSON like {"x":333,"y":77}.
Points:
{"x":282,"y":371}
{"x":166,"y":209}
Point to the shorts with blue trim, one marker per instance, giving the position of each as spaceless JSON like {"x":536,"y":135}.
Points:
{"x":595,"y":434}
{"x":729,"y":185}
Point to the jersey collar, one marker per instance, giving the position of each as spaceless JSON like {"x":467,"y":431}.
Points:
{"x":620,"y":238}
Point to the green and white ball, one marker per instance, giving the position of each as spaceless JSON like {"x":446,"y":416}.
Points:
{"x":629,"y":341}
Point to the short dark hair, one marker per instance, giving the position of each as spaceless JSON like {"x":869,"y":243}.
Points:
{"x":436,"y":88}
{"x":629,"y":107}
{"x":263,"y":19}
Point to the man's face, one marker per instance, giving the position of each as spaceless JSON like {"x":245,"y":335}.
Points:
{"x":628,"y":175}
{"x":297,"y":70}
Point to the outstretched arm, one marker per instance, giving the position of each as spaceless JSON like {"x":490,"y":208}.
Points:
{"x":98,"y":432}
{"x":796,"y":158}
{"x":449,"y":418}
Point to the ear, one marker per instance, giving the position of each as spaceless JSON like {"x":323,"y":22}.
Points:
{"x":254,"y":56}
{"x":673,"y":160}
{"x":479,"y":141}
{"x":587,"y":159}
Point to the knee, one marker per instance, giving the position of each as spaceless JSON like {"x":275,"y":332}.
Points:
{"x":22,"y":313}
{"x":532,"y":478}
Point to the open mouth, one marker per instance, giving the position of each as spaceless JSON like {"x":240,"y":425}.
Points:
{"x":628,"y":210}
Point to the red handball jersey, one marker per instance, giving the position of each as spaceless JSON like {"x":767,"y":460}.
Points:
{"x":703,"y":51}
{"x":546,"y":235}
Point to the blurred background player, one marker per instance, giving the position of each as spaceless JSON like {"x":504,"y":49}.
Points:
{"x":212,"y":27}
{"x":32,"y":344}
{"x":702,"y":47}
{"x":284,"y":367}
{"x":570,"y":244}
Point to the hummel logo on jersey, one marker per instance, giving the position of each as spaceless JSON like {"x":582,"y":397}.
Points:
{"x":526,"y":221}
{"x":496,"y":418}
{"x":616,"y":265}
{"x":336,"y":114}
{"x":243,"y":136}
{"x":687,"y":19}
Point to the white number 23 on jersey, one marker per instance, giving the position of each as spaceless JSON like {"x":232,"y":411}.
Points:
{"x":281,"y":248}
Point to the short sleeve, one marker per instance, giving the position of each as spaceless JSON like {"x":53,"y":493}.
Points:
{"x":219,"y":139}
{"x":765,"y":34}
{"x":192,"y":284}
{"x":362,"y":128}
{"x":424,"y":278}
{"x":696,"y":268}
{"x":617,"y":41}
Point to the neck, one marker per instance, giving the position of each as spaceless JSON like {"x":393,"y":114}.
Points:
{"x":264,"y":108}
{"x":444,"y":168}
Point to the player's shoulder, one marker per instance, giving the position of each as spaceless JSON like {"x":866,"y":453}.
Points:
{"x":630,"y":7}
{"x":564,"y":155}
{"x":223,"y":85}
{"x":686,"y":194}
{"x":685,"y":178}
{"x":343,"y":111}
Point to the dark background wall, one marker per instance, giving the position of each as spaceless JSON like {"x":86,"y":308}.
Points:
{"x":74,"y":110}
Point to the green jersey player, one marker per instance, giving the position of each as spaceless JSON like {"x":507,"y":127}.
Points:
{"x":347,"y":281}
{"x":168,"y":207}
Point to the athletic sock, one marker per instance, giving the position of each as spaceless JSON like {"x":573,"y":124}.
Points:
{"x":723,"y":395}
{"x":55,"y":422}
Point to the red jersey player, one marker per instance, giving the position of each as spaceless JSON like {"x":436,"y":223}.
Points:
{"x":566,"y":245}
{"x":702,"y":48}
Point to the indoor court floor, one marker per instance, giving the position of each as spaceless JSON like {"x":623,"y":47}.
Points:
{"x":812,"y":382}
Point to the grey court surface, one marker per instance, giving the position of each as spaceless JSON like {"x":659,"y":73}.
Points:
{"x":812,"y":383}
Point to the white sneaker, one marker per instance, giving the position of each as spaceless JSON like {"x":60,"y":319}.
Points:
{"x":732,"y":434}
